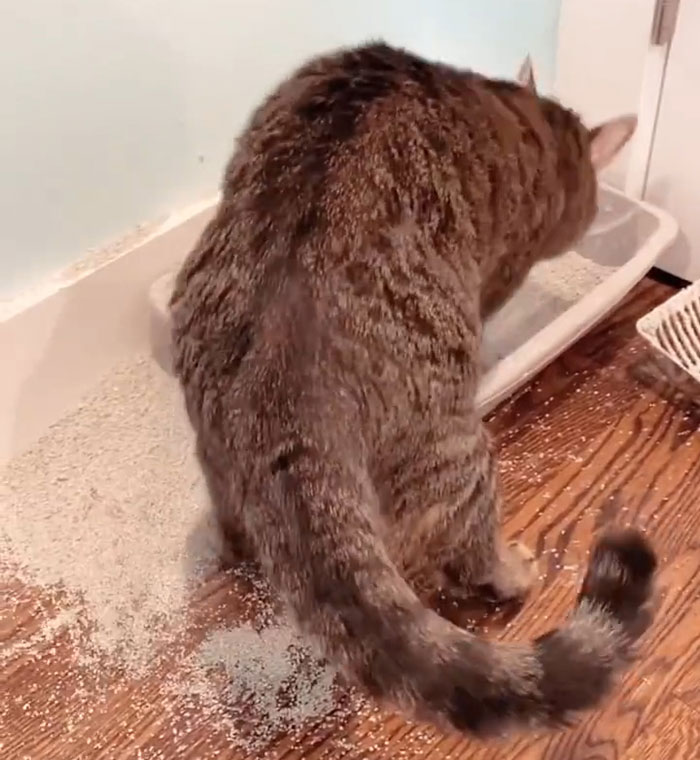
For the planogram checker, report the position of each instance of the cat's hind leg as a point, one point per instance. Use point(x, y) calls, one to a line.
point(235, 546)
point(482, 559)
point(447, 527)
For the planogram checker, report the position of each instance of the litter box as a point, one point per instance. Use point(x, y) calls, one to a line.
point(563, 298)
point(559, 302)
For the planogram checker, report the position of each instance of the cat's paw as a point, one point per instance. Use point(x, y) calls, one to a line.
point(514, 574)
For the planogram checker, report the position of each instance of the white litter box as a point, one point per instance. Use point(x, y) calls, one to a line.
point(564, 298)
point(559, 302)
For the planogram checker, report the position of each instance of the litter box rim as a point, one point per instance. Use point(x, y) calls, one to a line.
point(516, 369)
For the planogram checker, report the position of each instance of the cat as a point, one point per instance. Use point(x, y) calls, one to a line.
point(326, 334)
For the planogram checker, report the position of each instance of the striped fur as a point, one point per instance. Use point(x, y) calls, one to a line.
point(326, 335)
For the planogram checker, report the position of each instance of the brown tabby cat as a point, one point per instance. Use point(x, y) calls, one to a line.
point(326, 333)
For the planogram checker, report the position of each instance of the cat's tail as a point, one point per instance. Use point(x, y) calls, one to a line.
point(483, 687)
point(345, 590)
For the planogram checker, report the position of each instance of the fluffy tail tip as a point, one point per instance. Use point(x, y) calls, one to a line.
point(620, 578)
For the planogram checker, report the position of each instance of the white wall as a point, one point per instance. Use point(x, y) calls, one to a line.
point(674, 170)
point(602, 50)
point(114, 112)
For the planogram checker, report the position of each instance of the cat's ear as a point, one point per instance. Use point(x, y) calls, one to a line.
point(526, 75)
point(608, 139)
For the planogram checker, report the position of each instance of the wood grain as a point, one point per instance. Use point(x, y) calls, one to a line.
point(674, 734)
point(585, 445)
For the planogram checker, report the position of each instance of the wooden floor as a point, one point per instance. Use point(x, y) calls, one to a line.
point(585, 445)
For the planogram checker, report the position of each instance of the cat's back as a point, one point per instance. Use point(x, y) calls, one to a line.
point(347, 144)
point(319, 172)
point(337, 175)
point(338, 155)
point(336, 141)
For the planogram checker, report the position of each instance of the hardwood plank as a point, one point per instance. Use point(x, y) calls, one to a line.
point(673, 734)
point(583, 446)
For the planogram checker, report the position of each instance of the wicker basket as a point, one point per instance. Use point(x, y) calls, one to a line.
point(672, 330)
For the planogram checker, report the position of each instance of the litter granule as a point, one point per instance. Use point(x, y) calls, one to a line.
point(64, 619)
point(277, 687)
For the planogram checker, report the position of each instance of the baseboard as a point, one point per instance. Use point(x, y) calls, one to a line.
point(58, 341)
point(667, 278)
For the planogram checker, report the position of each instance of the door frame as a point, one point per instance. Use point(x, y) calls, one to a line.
point(611, 58)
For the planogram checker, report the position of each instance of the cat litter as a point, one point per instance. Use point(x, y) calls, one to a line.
point(106, 508)
point(108, 516)
point(260, 683)
point(559, 302)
